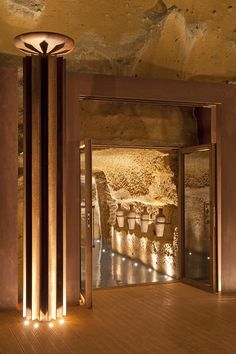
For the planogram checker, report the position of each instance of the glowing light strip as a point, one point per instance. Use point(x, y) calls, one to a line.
point(52, 189)
point(36, 188)
point(24, 264)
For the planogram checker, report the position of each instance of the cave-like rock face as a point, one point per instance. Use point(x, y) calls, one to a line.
point(171, 39)
point(145, 176)
point(139, 177)
point(137, 124)
point(31, 9)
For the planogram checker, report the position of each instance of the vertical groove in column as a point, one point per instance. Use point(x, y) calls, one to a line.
point(60, 241)
point(63, 166)
point(27, 234)
point(52, 187)
point(36, 185)
point(44, 189)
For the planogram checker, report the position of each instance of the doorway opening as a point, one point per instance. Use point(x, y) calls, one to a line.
point(147, 212)
point(133, 202)
point(133, 243)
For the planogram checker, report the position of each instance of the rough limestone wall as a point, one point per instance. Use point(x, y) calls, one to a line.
point(142, 178)
point(171, 39)
point(106, 204)
point(140, 175)
point(159, 253)
point(137, 124)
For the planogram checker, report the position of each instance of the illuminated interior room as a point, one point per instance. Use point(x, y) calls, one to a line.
point(127, 249)
point(117, 187)
point(136, 196)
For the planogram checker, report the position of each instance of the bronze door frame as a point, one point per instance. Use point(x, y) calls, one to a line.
point(219, 98)
point(180, 152)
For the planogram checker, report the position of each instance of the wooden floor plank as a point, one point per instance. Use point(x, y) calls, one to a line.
point(165, 318)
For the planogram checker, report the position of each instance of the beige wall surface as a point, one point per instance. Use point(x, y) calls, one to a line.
point(8, 188)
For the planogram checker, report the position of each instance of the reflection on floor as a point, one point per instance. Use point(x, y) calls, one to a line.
point(111, 269)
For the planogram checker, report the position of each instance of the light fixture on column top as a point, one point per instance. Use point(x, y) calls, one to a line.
point(44, 43)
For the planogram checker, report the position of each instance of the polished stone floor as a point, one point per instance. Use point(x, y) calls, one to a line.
point(111, 269)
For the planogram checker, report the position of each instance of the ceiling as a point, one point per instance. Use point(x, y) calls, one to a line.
point(181, 39)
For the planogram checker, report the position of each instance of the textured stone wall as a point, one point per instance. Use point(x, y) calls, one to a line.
point(171, 39)
point(142, 178)
point(137, 124)
point(141, 175)
point(160, 254)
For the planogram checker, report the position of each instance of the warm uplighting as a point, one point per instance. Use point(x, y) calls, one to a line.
point(36, 325)
point(26, 322)
point(149, 270)
point(61, 321)
point(190, 253)
point(135, 264)
point(50, 325)
point(169, 263)
point(123, 259)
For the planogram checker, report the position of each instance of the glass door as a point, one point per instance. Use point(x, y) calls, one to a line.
point(85, 222)
point(198, 216)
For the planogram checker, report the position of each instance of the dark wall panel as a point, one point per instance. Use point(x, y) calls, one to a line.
point(8, 189)
point(203, 116)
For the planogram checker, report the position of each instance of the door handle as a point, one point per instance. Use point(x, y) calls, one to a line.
point(89, 225)
point(88, 220)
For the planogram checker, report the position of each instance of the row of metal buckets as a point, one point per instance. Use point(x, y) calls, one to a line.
point(145, 220)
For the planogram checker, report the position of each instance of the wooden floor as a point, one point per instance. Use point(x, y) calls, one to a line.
point(168, 318)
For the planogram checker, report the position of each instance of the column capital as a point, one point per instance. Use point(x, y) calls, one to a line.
point(44, 43)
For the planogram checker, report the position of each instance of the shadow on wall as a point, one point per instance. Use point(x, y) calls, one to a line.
point(147, 70)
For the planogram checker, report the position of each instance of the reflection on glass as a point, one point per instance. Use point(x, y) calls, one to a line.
point(111, 269)
point(197, 216)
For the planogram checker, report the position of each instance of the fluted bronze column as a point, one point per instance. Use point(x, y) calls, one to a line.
point(44, 287)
